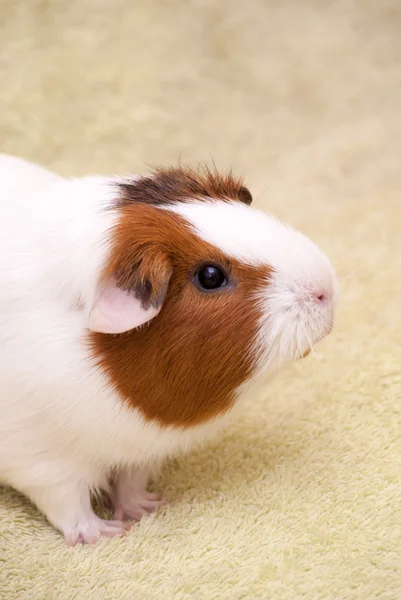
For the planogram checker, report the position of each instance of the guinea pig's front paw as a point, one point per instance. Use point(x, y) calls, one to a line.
point(135, 506)
point(130, 499)
point(89, 531)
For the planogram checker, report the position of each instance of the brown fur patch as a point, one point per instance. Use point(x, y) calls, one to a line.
point(184, 367)
point(168, 186)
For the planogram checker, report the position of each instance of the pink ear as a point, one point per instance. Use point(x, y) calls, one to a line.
point(116, 311)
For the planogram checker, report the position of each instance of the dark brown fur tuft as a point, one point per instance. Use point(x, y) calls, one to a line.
point(179, 184)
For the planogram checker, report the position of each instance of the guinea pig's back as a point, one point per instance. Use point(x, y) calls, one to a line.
point(48, 225)
point(21, 183)
point(18, 176)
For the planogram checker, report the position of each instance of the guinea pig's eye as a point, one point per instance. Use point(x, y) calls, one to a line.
point(210, 277)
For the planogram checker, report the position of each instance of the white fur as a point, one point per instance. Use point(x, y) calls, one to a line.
point(62, 427)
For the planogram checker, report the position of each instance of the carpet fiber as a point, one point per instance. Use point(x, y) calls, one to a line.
point(301, 497)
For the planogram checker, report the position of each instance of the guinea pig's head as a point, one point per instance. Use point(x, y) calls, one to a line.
point(201, 293)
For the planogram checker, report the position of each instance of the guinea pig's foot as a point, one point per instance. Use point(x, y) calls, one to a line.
point(91, 530)
point(130, 499)
point(136, 506)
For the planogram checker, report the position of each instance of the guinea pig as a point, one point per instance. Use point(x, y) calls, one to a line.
point(134, 312)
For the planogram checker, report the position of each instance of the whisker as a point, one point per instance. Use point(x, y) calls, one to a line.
point(338, 260)
point(311, 346)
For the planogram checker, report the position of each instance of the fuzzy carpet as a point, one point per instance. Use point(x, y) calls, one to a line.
point(301, 497)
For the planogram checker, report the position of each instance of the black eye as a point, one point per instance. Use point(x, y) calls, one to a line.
point(210, 277)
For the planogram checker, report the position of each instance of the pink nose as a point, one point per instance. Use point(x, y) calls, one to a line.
point(322, 295)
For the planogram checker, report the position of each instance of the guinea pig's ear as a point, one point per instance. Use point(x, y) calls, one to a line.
point(132, 296)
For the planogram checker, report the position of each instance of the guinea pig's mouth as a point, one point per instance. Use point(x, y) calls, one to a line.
point(327, 330)
point(318, 339)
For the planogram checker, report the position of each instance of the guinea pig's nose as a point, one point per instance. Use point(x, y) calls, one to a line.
point(322, 295)
point(318, 293)
point(324, 300)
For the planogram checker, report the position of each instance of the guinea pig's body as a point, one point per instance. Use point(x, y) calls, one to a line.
point(132, 313)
